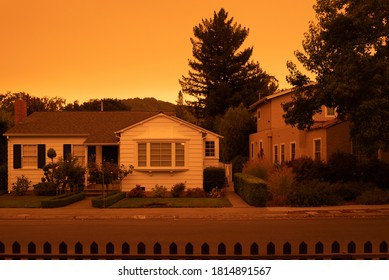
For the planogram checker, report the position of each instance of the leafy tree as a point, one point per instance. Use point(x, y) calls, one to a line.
point(235, 126)
point(34, 104)
point(222, 75)
point(348, 51)
point(108, 104)
point(5, 124)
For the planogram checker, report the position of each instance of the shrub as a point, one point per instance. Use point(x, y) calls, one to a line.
point(214, 177)
point(159, 191)
point(341, 167)
point(138, 191)
point(238, 163)
point(195, 192)
point(218, 193)
point(374, 196)
point(306, 168)
point(21, 186)
point(312, 193)
point(349, 191)
point(45, 188)
point(178, 189)
point(107, 200)
point(63, 200)
point(376, 172)
point(3, 177)
point(259, 168)
point(281, 182)
point(251, 189)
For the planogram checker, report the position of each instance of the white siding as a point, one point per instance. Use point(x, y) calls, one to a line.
point(164, 129)
point(35, 174)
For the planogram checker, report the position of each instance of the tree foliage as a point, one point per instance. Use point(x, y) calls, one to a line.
point(235, 126)
point(222, 75)
point(348, 51)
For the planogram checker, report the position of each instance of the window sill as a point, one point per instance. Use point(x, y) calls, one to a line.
point(162, 170)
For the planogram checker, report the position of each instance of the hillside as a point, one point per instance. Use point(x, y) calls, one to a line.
point(148, 104)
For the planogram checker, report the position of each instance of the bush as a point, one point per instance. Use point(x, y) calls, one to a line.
point(178, 189)
point(281, 182)
point(138, 191)
point(341, 167)
point(218, 193)
point(238, 163)
point(3, 177)
point(45, 188)
point(376, 172)
point(312, 193)
point(259, 168)
point(251, 189)
point(107, 200)
point(21, 186)
point(214, 177)
point(374, 196)
point(63, 200)
point(159, 191)
point(349, 191)
point(195, 192)
point(306, 168)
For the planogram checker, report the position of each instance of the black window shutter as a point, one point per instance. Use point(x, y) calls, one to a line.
point(41, 155)
point(17, 156)
point(67, 150)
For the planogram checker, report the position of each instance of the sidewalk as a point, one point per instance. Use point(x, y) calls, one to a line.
point(83, 210)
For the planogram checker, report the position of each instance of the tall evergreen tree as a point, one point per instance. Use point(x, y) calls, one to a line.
point(348, 50)
point(222, 75)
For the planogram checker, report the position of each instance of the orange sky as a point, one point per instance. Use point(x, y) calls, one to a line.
point(84, 49)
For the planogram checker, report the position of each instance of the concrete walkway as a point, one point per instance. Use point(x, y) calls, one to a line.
point(83, 210)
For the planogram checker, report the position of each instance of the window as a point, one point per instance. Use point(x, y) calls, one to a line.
point(161, 154)
point(317, 149)
point(259, 114)
point(29, 156)
point(330, 112)
point(282, 153)
point(209, 148)
point(252, 150)
point(292, 151)
point(275, 154)
point(180, 154)
point(79, 153)
point(261, 151)
point(142, 154)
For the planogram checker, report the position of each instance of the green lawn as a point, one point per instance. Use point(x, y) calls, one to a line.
point(204, 202)
point(24, 201)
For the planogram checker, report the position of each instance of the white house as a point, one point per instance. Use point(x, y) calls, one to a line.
point(163, 149)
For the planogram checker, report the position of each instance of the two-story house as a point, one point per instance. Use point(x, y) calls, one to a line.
point(279, 142)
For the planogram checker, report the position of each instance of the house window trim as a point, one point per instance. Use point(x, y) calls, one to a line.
point(19, 156)
point(314, 149)
point(282, 153)
point(23, 156)
point(275, 155)
point(214, 149)
point(172, 168)
point(292, 157)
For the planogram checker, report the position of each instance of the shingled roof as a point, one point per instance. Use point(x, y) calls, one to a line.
point(98, 127)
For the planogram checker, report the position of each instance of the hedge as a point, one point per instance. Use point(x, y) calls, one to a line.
point(46, 188)
point(63, 200)
point(214, 177)
point(251, 189)
point(107, 200)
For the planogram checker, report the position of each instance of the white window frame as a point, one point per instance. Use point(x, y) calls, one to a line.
point(314, 149)
point(178, 156)
point(292, 157)
point(209, 152)
point(275, 153)
point(282, 153)
point(33, 159)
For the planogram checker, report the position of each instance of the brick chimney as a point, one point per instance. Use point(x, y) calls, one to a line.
point(20, 111)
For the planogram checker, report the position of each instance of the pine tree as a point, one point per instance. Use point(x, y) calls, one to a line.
point(222, 75)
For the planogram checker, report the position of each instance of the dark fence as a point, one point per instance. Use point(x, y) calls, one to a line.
point(127, 251)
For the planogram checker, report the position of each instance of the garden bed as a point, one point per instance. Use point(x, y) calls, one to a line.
point(63, 200)
point(183, 202)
